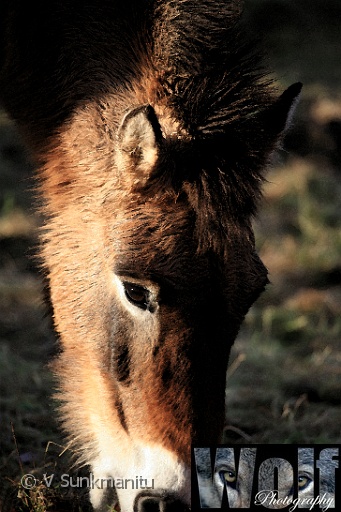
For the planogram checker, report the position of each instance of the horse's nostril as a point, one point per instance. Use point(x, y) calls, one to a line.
point(149, 505)
point(155, 503)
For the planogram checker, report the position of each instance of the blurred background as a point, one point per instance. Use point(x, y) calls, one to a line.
point(284, 379)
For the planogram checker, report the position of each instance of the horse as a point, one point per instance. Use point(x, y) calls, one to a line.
point(150, 123)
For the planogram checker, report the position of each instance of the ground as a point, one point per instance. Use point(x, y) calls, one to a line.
point(284, 378)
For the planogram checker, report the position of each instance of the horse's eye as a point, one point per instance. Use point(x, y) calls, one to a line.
point(137, 295)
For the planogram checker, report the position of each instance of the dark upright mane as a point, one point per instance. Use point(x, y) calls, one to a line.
point(212, 74)
point(214, 85)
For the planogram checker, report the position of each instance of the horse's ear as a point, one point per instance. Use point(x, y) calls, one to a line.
point(278, 117)
point(139, 140)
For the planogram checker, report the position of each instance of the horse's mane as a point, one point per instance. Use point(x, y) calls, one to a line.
point(217, 88)
point(213, 75)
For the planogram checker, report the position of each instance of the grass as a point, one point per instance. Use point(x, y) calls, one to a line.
point(284, 379)
point(288, 353)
